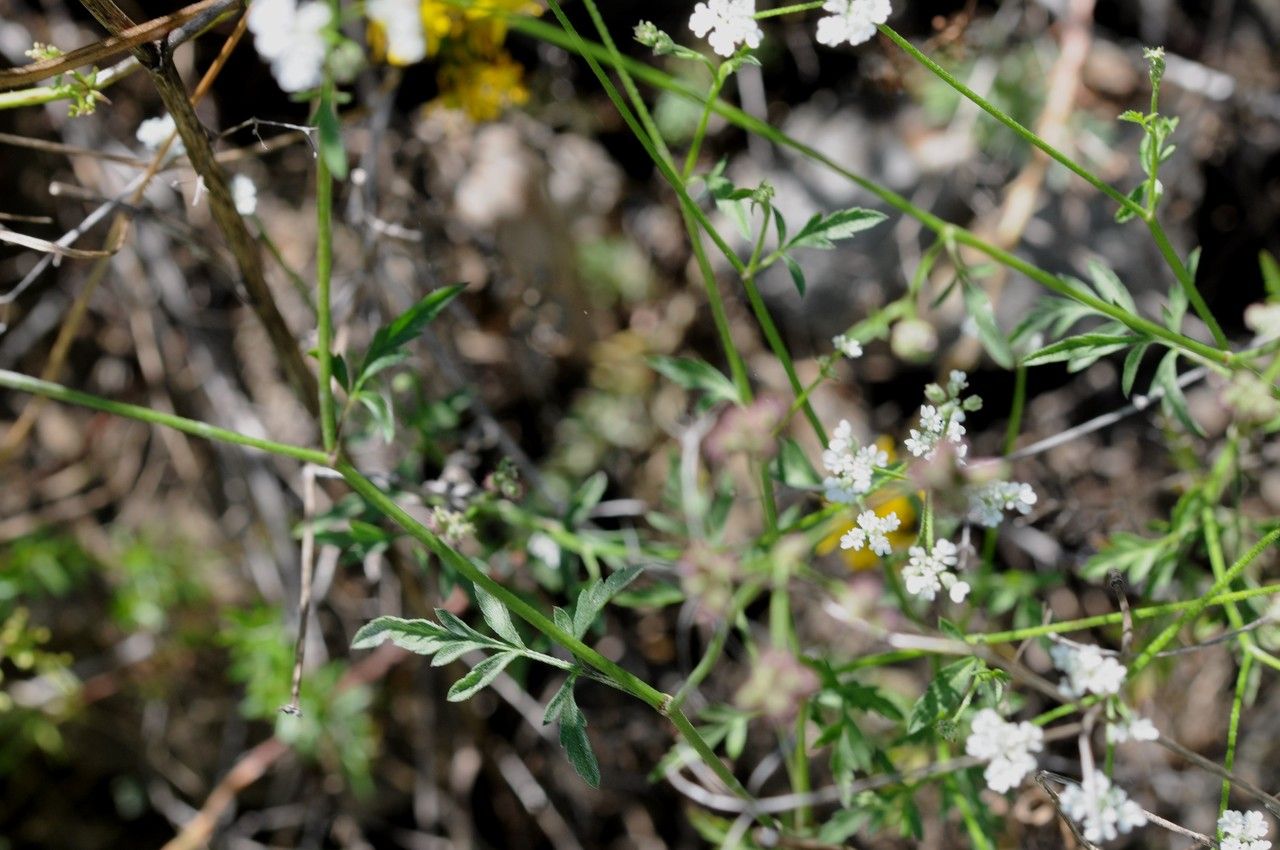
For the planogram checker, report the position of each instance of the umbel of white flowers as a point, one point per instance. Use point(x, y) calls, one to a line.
point(1243, 831)
point(1103, 810)
point(1088, 671)
point(849, 466)
point(928, 572)
point(728, 23)
point(292, 39)
point(1006, 747)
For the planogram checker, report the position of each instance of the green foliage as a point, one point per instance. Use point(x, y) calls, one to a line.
point(333, 727)
point(697, 376)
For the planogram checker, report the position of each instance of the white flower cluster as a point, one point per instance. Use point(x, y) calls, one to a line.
point(730, 22)
point(1087, 671)
point(733, 22)
point(989, 501)
point(871, 531)
point(847, 345)
point(1243, 831)
point(1132, 729)
point(401, 22)
point(1008, 748)
point(942, 421)
point(244, 194)
point(293, 39)
point(1102, 810)
point(852, 21)
point(849, 467)
point(153, 132)
point(926, 573)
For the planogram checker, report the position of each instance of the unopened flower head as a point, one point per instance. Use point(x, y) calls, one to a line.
point(1243, 831)
point(400, 23)
point(852, 21)
point(1088, 671)
point(942, 419)
point(1103, 810)
point(293, 39)
point(1132, 728)
point(729, 22)
point(244, 194)
point(989, 501)
point(871, 531)
point(778, 684)
point(849, 466)
point(928, 572)
point(847, 345)
point(1007, 747)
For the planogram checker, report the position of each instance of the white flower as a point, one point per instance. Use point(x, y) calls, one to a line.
point(153, 132)
point(988, 502)
point(850, 468)
point(292, 39)
point(544, 549)
point(853, 21)
point(928, 572)
point(1087, 671)
point(730, 22)
point(1132, 729)
point(1243, 831)
point(244, 194)
point(401, 21)
point(1102, 810)
point(1008, 748)
point(942, 421)
point(871, 531)
point(847, 346)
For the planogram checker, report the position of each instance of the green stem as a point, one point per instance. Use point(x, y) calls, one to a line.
point(626, 681)
point(57, 392)
point(324, 279)
point(767, 131)
point(1015, 410)
point(691, 158)
point(1147, 215)
point(1185, 280)
point(1224, 581)
point(650, 139)
point(1022, 132)
point(1150, 612)
point(744, 597)
point(1233, 729)
point(787, 10)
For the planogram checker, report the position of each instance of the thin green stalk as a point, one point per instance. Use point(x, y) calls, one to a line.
point(1171, 631)
point(1150, 612)
point(651, 140)
point(740, 600)
point(787, 10)
point(1186, 281)
point(1233, 730)
point(798, 767)
point(767, 131)
point(57, 392)
point(695, 145)
point(1015, 410)
point(1030, 137)
point(737, 366)
point(1022, 132)
point(324, 279)
point(619, 676)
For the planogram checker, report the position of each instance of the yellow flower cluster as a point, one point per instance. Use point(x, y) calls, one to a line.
point(465, 38)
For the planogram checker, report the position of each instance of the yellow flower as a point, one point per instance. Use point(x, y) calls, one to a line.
point(482, 88)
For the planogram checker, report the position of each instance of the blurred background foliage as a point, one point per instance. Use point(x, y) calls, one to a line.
point(148, 582)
